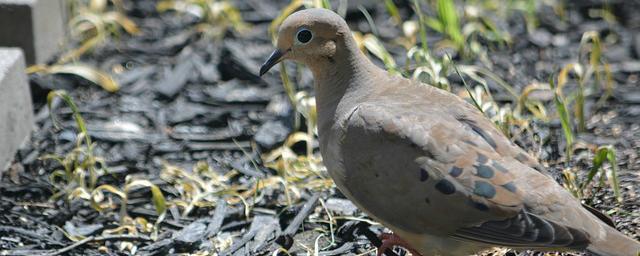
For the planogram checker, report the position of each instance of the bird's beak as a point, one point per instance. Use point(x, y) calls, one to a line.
point(276, 57)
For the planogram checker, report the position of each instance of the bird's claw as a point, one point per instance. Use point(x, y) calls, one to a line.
point(389, 240)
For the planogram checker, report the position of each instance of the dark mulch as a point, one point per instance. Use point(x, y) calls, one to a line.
point(186, 98)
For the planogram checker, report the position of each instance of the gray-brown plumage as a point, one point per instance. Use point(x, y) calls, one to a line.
point(427, 164)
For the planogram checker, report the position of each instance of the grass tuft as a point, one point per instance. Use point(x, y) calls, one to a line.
point(95, 22)
point(580, 188)
point(216, 16)
point(79, 170)
point(87, 72)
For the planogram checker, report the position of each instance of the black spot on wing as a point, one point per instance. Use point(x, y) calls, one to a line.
point(479, 131)
point(445, 187)
point(484, 189)
point(470, 142)
point(484, 171)
point(522, 157)
point(424, 175)
point(482, 158)
point(455, 171)
point(478, 205)
point(499, 167)
point(510, 186)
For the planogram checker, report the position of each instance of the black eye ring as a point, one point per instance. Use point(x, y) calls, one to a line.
point(304, 36)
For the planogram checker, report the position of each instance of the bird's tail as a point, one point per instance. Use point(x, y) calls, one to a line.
point(615, 244)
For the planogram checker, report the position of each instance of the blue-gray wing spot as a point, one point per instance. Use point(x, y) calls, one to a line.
point(455, 171)
point(484, 189)
point(478, 205)
point(445, 187)
point(521, 157)
point(510, 186)
point(499, 167)
point(482, 158)
point(484, 171)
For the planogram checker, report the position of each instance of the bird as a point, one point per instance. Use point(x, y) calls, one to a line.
point(427, 164)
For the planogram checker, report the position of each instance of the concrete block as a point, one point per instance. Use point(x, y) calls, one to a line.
point(36, 26)
point(16, 110)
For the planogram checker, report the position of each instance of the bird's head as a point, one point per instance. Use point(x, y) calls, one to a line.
point(311, 36)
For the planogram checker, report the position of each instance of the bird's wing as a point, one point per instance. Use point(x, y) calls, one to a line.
point(466, 170)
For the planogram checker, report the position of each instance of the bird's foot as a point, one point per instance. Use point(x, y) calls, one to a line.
point(390, 240)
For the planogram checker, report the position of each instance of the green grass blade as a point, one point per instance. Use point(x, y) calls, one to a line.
point(604, 154)
point(158, 200)
point(597, 162)
point(156, 194)
point(613, 174)
point(287, 84)
point(449, 17)
point(367, 15)
point(393, 11)
point(561, 109)
point(322, 4)
point(423, 29)
point(375, 46)
point(74, 109)
point(579, 108)
point(466, 86)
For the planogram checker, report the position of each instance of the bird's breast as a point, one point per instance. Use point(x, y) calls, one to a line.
point(329, 139)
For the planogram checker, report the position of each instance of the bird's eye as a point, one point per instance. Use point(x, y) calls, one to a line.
point(304, 36)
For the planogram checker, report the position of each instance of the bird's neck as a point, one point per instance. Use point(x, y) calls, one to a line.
point(342, 82)
point(348, 71)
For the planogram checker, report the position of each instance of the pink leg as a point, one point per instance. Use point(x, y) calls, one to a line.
point(390, 240)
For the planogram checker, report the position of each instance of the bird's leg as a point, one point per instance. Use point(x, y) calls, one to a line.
point(389, 240)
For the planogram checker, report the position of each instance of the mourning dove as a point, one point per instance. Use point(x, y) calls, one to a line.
point(427, 164)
